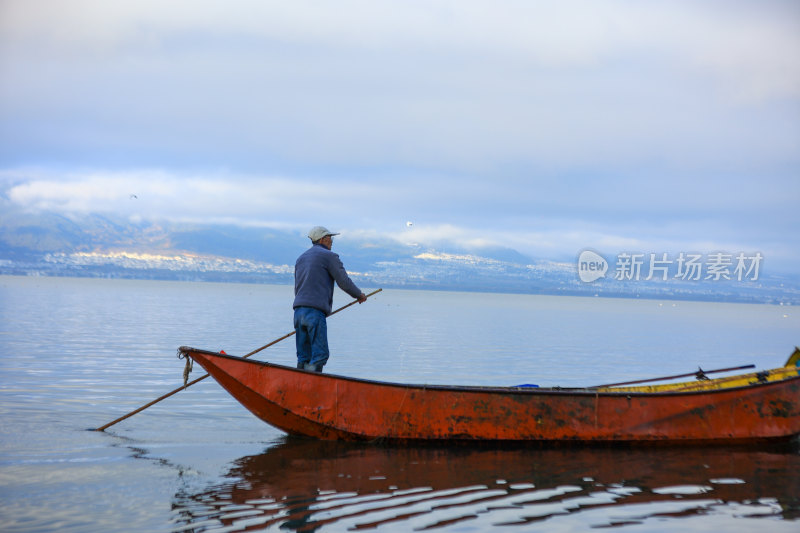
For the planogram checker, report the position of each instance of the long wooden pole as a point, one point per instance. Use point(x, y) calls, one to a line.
point(201, 378)
point(699, 372)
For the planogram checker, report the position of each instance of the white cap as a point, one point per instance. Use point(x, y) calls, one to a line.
point(318, 232)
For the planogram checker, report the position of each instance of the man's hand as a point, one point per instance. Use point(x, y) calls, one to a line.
point(362, 298)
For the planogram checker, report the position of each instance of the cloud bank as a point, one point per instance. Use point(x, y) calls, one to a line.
point(547, 126)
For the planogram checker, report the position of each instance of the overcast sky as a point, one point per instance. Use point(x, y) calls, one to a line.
point(546, 126)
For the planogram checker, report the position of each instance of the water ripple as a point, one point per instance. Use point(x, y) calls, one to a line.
point(302, 485)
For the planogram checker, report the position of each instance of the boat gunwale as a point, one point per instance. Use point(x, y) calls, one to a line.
point(513, 390)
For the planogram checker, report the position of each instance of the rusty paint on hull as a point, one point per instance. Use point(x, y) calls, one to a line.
point(331, 407)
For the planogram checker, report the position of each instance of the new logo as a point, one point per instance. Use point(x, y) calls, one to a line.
point(591, 266)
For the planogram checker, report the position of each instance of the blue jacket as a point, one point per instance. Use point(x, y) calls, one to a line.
point(314, 273)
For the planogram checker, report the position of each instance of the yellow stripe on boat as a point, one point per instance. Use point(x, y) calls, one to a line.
point(790, 369)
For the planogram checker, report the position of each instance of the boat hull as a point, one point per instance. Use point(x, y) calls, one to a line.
point(331, 407)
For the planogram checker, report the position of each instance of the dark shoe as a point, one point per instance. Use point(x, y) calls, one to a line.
point(313, 368)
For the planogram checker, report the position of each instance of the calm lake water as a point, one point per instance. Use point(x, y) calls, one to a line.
point(78, 353)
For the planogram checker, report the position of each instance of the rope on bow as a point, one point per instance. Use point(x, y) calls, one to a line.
point(187, 368)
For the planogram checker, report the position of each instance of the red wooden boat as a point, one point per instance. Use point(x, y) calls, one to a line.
point(754, 407)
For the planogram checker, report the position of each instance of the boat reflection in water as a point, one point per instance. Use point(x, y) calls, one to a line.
point(308, 485)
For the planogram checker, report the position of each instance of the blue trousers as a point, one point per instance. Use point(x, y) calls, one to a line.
point(311, 336)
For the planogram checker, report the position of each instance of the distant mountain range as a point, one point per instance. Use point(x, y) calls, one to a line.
point(51, 244)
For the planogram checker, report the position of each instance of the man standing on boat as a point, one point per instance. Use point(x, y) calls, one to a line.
point(314, 273)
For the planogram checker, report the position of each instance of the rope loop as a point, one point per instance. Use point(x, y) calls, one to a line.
point(187, 369)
